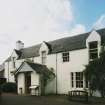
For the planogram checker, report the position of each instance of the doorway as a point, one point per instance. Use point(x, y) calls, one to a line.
point(27, 82)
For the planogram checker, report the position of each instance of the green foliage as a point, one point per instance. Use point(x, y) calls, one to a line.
point(95, 74)
point(2, 80)
point(9, 87)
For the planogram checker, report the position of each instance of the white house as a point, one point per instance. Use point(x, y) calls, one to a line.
point(53, 67)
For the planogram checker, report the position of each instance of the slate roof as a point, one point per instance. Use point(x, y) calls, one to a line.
point(41, 69)
point(61, 45)
point(30, 51)
point(18, 53)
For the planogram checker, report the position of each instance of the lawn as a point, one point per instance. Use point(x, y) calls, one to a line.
point(10, 99)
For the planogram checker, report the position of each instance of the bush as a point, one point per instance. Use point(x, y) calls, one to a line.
point(9, 87)
point(0, 90)
point(2, 81)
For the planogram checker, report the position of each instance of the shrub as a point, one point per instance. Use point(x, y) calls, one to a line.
point(2, 81)
point(0, 90)
point(9, 87)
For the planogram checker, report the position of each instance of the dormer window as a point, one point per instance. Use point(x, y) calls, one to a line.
point(44, 57)
point(93, 50)
point(65, 56)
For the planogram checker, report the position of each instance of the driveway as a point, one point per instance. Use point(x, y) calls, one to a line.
point(9, 99)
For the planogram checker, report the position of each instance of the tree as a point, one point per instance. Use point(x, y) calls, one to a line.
point(95, 74)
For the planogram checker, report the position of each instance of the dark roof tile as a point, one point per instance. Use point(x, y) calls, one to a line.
point(30, 51)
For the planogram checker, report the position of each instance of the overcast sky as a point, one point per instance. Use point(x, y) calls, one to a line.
point(34, 21)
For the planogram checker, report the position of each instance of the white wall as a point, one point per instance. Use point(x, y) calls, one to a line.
point(37, 60)
point(51, 63)
point(11, 76)
point(6, 72)
point(35, 78)
point(9, 67)
point(21, 83)
point(78, 59)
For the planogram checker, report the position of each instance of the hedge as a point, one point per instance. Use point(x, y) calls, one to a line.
point(9, 87)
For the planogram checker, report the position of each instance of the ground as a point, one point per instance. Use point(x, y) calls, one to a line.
point(8, 99)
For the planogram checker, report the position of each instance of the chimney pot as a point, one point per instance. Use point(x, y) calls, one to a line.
point(19, 45)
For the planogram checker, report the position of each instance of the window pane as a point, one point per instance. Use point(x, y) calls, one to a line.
point(65, 57)
point(79, 79)
point(93, 50)
point(43, 57)
point(93, 45)
point(72, 80)
point(93, 55)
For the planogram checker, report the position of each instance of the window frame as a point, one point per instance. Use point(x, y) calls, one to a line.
point(44, 57)
point(93, 50)
point(72, 79)
point(65, 57)
point(79, 79)
point(76, 80)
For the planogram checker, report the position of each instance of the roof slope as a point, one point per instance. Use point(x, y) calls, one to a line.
point(41, 69)
point(61, 45)
point(30, 51)
point(69, 43)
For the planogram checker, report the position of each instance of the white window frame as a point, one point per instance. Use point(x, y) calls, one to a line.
point(77, 82)
point(79, 79)
point(93, 50)
point(44, 57)
point(65, 56)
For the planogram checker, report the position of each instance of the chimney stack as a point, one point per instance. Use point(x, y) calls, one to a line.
point(19, 45)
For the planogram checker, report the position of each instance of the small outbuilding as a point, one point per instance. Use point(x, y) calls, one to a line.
point(32, 78)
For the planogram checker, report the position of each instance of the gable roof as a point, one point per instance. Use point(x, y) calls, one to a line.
point(41, 69)
point(60, 45)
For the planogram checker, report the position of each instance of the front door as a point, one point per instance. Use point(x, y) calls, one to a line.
point(27, 82)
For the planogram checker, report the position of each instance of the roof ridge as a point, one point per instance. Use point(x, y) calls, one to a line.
point(48, 42)
point(70, 37)
point(31, 46)
point(34, 63)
